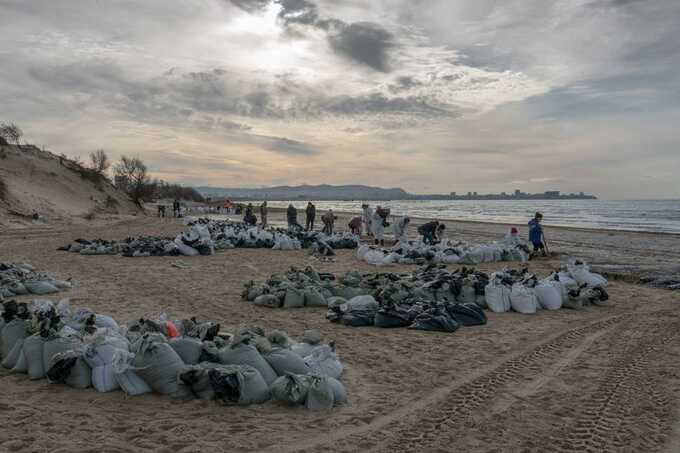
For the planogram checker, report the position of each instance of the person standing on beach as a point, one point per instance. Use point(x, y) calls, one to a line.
point(328, 220)
point(366, 218)
point(400, 229)
point(310, 215)
point(263, 213)
point(536, 234)
point(175, 208)
point(291, 216)
point(378, 224)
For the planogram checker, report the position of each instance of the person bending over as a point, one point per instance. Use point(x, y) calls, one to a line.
point(536, 234)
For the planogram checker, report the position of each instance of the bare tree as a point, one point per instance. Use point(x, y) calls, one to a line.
point(11, 132)
point(134, 175)
point(99, 162)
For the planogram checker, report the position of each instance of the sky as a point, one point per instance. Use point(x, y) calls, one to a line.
point(433, 96)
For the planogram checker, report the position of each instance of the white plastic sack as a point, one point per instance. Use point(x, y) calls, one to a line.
point(324, 361)
point(497, 297)
point(581, 273)
point(549, 294)
point(33, 350)
point(523, 299)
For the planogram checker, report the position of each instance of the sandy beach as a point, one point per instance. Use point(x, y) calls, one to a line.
point(602, 379)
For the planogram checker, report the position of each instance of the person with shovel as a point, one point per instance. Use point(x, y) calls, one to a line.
point(536, 235)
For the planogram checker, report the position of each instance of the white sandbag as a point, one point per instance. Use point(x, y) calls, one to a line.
point(362, 303)
point(467, 293)
point(125, 375)
point(78, 375)
point(56, 346)
point(324, 361)
point(320, 396)
point(184, 249)
point(188, 348)
point(11, 359)
point(106, 322)
point(295, 298)
point(41, 287)
point(158, 364)
point(247, 354)
point(33, 350)
point(104, 379)
point(286, 361)
point(339, 392)
point(314, 298)
point(523, 299)
point(12, 332)
point(267, 300)
point(21, 366)
point(497, 297)
point(581, 273)
point(549, 294)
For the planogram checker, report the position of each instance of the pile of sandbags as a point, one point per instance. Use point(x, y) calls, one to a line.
point(573, 286)
point(183, 359)
point(18, 279)
point(296, 289)
point(416, 252)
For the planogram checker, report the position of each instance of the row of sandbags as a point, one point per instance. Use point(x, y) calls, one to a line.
point(18, 279)
point(574, 286)
point(417, 252)
point(309, 288)
point(226, 234)
point(183, 359)
point(415, 314)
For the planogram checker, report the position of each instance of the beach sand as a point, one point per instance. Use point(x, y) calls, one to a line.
point(601, 379)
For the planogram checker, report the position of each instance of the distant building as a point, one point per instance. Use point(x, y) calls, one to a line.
point(474, 193)
point(453, 194)
point(469, 194)
point(552, 193)
point(503, 194)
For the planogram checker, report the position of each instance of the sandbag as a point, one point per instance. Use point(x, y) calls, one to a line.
point(106, 322)
point(581, 273)
point(295, 298)
point(71, 369)
point(12, 332)
point(158, 364)
point(21, 366)
point(238, 384)
point(188, 348)
point(320, 395)
point(58, 345)
point(290, 389)
point(314, 298)
point(315, 392)
point(125, 375)
point(268, 300)
point(33, 350)
point(467, 314)
point(247, 354)
point(41, 287)
point(99, 356)
point(435, 320)
point(497, 297)
point(11, 359)
point(324, 362)
point(286, 361)
point(549, 294)
point(467, 294)
point(523, 299)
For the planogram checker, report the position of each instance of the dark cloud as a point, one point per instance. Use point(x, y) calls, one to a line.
point(364, 42)
point(405, 83)
point(251, 6)
point(378, 103)
point(284, 145)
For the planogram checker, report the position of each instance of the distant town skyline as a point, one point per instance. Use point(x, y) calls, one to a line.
point(429, 95)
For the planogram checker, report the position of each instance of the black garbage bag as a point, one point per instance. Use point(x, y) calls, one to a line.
point(393, 315)
point(467, 314)
point(436, 320)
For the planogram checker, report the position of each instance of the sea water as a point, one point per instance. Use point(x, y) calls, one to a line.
point(633, 215)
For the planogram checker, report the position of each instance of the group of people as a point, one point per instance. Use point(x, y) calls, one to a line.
point(176, 209)
point(373, 222)
point(328, 219)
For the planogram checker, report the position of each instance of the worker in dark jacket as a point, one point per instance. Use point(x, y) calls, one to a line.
point(310, 214)
point(430, 231)
point(291, 215)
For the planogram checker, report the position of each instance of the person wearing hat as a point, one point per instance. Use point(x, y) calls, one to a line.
point(536, 236)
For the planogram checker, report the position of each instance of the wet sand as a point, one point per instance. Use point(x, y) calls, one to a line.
point(601, 379)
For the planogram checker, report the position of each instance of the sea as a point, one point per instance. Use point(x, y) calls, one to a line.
point(659, 216)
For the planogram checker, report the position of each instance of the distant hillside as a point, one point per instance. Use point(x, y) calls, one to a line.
point(305, 192)
point(39, 182)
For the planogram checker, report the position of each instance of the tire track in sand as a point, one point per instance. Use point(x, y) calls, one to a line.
point(452, 404)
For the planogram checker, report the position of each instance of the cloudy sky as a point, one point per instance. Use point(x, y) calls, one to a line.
point(429, 95)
